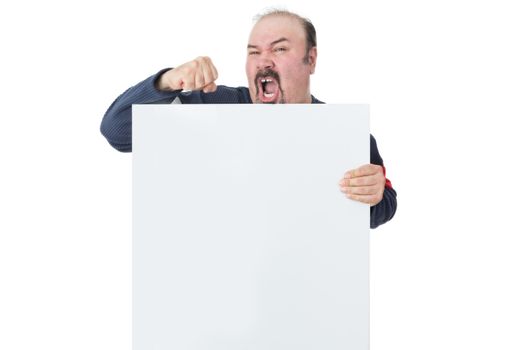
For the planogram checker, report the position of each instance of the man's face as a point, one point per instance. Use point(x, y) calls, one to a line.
point(275, 64)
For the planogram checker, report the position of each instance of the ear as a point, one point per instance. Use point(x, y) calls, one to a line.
point(312, 59)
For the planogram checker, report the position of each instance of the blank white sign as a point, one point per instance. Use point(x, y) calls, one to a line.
point(241, 237)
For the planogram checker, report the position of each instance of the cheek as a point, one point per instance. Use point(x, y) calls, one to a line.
point(250, 74)
point(291, 76)
point(293, 67)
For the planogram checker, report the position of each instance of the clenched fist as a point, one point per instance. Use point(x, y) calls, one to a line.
point(199, 74)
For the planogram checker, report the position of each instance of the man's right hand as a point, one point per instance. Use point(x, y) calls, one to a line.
point(199, 74)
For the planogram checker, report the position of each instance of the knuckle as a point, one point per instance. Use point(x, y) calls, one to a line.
point(193, 64)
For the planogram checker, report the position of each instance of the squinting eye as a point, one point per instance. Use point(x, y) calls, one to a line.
point(251, 53)
point(280, 49)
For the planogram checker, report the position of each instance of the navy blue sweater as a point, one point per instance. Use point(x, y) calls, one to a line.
point(116, 126)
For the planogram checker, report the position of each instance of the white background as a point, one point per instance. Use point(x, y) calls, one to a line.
point(446, 84)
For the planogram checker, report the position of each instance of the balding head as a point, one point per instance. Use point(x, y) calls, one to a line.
point(309, 29)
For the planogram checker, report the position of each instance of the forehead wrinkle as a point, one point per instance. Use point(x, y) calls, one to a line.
point(275, 42)
point(280, 40)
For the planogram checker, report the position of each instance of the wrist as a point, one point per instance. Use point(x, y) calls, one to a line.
point(161, 83)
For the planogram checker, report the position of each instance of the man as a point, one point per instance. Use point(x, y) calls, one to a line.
point(282, 54)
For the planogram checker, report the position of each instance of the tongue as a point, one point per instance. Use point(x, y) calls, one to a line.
point(271, 87)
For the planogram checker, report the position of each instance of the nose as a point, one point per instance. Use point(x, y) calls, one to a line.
point(264, 62)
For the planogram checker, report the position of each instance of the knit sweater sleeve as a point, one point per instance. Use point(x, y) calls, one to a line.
point(116, 124)
point(383, 211)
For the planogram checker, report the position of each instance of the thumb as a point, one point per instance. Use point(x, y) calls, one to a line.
point(211, 87)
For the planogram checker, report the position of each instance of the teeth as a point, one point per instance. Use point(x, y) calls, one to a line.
point(268, 95)
point(267, 80)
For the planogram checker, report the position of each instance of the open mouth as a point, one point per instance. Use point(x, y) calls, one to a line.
point(268, 89)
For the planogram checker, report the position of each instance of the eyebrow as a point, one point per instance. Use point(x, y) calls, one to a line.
point(250, 46)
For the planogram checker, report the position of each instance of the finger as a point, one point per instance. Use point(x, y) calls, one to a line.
point(358, 172)
point(214, 71)
point(360, 181)
point(363, 190)
point(370, 180)
point(364, 170)
point(208, 74)
point(199, 79)
point(211, 87)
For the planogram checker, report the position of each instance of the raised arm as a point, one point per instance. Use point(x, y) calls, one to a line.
point(163, 87)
